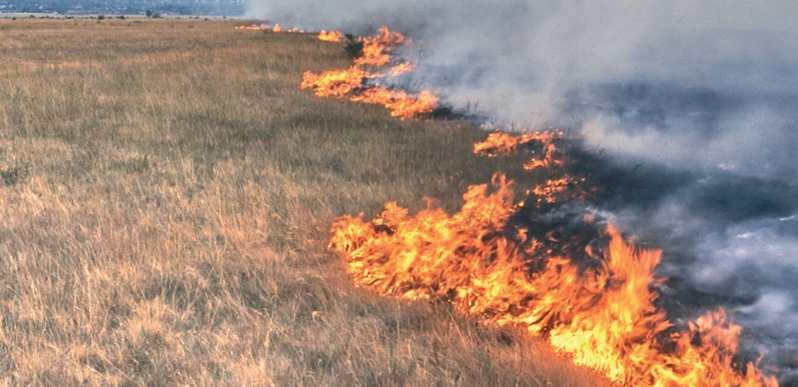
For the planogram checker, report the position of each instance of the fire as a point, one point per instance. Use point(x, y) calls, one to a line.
point(253, 27)
point(331, 36)
point(378, 49)
point(375, 62)
point(597, 306)
point(334, 83)
point(400, 103)
point(266, 27)
point(401, 69)
point(554, 189)
point(499, 143)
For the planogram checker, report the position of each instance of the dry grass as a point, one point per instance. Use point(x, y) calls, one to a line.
point(165, 196)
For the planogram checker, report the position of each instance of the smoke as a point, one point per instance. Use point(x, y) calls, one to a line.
point(742, 256)
point(703, 92)
point(714, 77)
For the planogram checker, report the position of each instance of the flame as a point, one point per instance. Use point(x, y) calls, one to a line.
point(331, 36)
point(253, 27)
point(334, 83)
point(500, 143)
point(398, 102)
point(265, 27)
point(598, 307)
point(378, 49)
point(401, 69)
point(600, 310)
point(554, 189)
point(375, 62)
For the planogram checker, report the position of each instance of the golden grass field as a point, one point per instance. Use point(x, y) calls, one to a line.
point(165, 198)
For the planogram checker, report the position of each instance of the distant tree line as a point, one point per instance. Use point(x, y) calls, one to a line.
point(149, 7)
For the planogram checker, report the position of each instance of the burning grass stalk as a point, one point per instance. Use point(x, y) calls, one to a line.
point(373, 63)
point(503, 272)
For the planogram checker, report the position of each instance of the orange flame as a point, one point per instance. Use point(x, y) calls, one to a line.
point(499, 143)
point(551, 191)
point(334, 83)
point(398, 102)
point(331, 36)
point(401, 69)
point(603, 316)
point(375, 62)
point(378, 49)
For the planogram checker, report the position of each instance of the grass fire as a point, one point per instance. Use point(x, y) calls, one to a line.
point(166, 194)
point(359, 81)
point(512, 193)
point(600, 311)
point(487, 266)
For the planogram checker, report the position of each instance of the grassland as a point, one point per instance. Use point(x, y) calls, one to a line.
point(165, 198)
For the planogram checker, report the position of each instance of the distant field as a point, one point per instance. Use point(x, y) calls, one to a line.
point(165, 198)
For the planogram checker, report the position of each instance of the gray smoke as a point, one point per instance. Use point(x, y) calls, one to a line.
point(705, 91)
point(710, 83)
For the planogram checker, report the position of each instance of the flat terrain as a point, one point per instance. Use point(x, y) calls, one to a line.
point(165, 198)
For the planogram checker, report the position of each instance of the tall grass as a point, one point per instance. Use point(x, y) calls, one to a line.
point(165, 197)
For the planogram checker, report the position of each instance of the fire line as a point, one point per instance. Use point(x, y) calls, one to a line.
point(593, 299)
point(358, 82)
